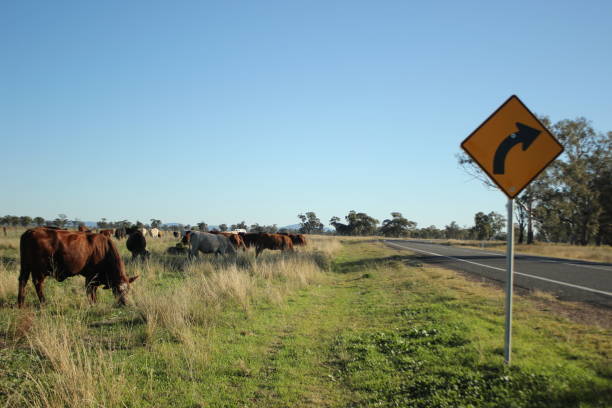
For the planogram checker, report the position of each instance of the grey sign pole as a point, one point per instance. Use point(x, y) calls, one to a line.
point(509, 281)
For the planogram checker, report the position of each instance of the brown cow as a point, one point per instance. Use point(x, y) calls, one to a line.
point(107, 232)
point(83, 228)
point(61, 254)
point(235, 239)
point(263, 241)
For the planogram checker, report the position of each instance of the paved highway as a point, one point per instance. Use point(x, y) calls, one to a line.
point(567, 279)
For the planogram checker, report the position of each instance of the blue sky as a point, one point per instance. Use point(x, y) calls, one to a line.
point(226, 111)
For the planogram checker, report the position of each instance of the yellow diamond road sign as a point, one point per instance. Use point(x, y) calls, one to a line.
point(512, 146)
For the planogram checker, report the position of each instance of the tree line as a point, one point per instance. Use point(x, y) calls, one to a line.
point(486, 226)
point(62, 221)
point(571, 200)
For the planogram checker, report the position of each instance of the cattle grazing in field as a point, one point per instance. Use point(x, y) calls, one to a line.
point(154, 232)
point(120, 233)
point(83, 228)
point(263, 241)
point(61, 254)
point(136, 243)
point(176, 234)
point(207, 243)
point(160, 234)
point(107, 232)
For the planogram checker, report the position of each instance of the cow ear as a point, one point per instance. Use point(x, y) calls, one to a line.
point(133, 278)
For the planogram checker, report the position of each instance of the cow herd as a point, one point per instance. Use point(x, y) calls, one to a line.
point(59, 253)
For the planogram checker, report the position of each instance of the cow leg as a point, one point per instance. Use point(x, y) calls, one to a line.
point(38, 285)
point(92, 293)
point(91, 290)
point(258, 251)
point(21, 293)
point(24, 276)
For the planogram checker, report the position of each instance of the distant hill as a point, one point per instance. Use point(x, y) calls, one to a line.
point(295, 227)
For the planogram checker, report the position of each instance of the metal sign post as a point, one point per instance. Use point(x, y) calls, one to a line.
point(509, 282)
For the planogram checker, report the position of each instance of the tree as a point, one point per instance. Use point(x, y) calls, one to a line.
point(268, 229)
point(202, 226)
point(223, 227)
point(61, 220)
point(242, 225)
point(603, 185)
point(310, 223)
point(155, 223)
point(256, 228)
point(25, 221)
point(361, 223)
point(123, 224)
point(486, 226)
point(430, 232)
point(357, 224)
point(341, 229)
point(453, 231)
point(39, 221)
point(569, 202)
point(102, 224)
point(397, 226)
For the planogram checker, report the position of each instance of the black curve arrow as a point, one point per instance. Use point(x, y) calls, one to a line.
point(525, 135)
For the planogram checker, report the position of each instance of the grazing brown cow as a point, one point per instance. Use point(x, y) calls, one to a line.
point(107, 232)
point(235, 239)
point(83, 228)
point(136, 243)
point(61, 254)
point(263, 241)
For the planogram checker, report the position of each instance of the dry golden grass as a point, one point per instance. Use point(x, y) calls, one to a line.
point(71, 372)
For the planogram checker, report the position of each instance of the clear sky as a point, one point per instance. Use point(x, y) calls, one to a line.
point(225, 111)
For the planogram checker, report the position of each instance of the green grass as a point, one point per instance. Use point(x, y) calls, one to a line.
point(374, 327)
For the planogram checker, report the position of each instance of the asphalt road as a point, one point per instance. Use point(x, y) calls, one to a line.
point(567, 279)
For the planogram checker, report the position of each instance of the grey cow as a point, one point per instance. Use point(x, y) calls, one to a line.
point(208, 243)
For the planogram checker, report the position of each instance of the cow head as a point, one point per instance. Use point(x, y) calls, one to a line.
point(186, 237)
point(122, 290)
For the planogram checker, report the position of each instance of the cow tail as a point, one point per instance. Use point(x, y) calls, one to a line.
point(24, 273)
point(26, 267)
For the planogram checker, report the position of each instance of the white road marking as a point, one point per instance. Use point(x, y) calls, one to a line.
point(504, 270)
point(539, 257)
